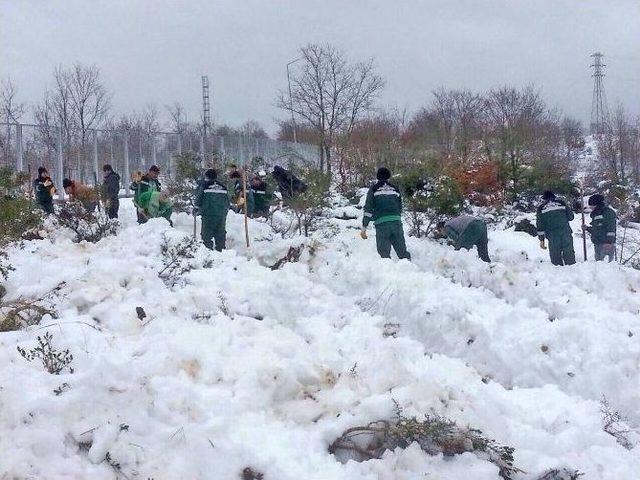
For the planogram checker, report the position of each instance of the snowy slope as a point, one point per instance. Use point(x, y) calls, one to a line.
point(245, 366)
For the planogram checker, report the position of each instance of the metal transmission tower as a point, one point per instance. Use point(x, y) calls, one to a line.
point(599, 108)
point(206, 108)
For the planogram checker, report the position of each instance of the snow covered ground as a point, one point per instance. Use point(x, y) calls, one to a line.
point(243, 366)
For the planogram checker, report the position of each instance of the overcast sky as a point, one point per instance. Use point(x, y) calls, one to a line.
point(155, 51)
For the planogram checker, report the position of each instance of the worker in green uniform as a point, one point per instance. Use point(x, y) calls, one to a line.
point(262, 195)
point(212, 203)
point(602, 228)
point(383, 206)
point(552, 222)
point(156, 204)
point(466, 232)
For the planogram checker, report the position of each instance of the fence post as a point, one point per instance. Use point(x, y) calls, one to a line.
point(202, 151)
point(111, 160)
point(60, 168)
point(96, 167)
point(20, 159)
point(141, 160)
point(127, 173)
point(179, 144)
point(152, 139)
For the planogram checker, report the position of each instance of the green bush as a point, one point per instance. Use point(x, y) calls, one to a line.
point(18, 215)
point(182, 187)
point(12, 182)
point(428, 199)
point(543, 176)
point(309, 206)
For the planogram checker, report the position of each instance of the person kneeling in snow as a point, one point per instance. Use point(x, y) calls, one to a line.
point(552, 221)
point(384, 207)
point(261, 195)
point(86, 196)
point(212, 202)
point(466, 232)
point(602, 228)
point(156, 204)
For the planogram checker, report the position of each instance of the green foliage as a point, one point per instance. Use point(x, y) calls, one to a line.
point(17, 216)
point(182, 187)
point(87, 225)
point(542, 176)
point(309, 206)
point(428, 199)
point(187, 166)
point(177, 259)
point(10, 181)
point(5, 268)
point(435, 436)
point(54, 361)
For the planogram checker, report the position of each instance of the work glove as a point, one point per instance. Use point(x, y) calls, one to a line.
point(363, 234)
point(542, 245)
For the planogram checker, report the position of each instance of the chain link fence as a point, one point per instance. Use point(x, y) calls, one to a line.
point(80, 155)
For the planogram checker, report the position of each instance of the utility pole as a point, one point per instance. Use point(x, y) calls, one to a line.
point(206, 110)
point(599, 108)
point(293, 119)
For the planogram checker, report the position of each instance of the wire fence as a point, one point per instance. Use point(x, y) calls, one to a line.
point(80, 154)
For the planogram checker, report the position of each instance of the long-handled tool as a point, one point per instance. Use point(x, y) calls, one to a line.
point(584, 233)
point(95, 182)
point(244, 196)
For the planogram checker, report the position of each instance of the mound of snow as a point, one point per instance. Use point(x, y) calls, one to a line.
point(244, 366)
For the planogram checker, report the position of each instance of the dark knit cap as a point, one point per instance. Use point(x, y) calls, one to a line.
point(595, 200)
point(107, 168)
point(210, 174)
point(154, 168)
point(383, 174)
point(66, 183)
point(42, 170)
point(548, 195)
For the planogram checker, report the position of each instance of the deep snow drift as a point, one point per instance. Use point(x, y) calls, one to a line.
point(244, 366)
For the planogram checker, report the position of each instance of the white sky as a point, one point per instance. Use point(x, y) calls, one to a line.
point(155, 51)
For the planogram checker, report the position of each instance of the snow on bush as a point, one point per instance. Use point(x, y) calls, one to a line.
point(242, 367)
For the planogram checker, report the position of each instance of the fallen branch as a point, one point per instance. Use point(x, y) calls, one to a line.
point(292, 256)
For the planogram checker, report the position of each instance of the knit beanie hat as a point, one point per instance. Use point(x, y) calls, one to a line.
point(596, 200)
point(548, 195)
point(383, 174)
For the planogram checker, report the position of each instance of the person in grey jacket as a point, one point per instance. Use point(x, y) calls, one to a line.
point(465, 232)
point(111, 191)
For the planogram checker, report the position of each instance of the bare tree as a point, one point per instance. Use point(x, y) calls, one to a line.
point(90, 100)
point(514, 119)
point(61, 104)
point(253, 129)
point(330, 94)
point(572, 136)
point(45, 117)
point(618, 146)
point(177, 118)
point(11, 111)
point(80, 102)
